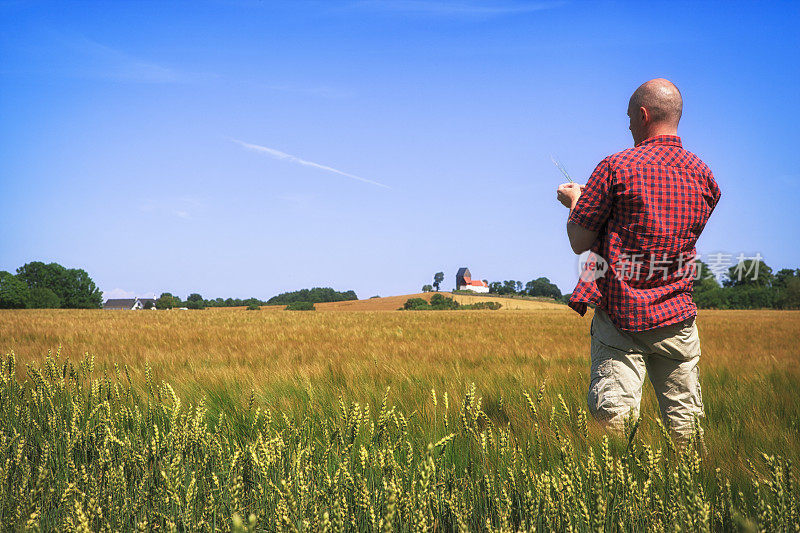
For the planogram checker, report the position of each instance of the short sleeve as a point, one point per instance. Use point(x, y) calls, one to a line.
point(593, 207)
point(714, 193)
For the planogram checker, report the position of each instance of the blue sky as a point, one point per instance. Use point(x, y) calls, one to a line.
point(149, 142)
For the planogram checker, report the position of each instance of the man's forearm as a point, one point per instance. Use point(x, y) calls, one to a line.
point(580, 239)
point(572, 207)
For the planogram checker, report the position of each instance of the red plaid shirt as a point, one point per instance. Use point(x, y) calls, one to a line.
point(649, 205)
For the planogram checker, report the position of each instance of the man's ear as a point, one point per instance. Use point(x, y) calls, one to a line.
point(644, 114)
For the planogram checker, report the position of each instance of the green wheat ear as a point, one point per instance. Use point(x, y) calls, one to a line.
point(84, 454)
point(561, 168)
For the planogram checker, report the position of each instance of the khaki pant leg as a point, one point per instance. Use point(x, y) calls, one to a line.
point(674, 373)
point(617, 374)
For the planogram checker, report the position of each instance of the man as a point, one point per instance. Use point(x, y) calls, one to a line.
point(642, 211)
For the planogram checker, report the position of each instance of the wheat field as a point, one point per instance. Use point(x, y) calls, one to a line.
point(502, 391)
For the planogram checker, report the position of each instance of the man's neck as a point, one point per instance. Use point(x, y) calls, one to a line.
point(661, 129)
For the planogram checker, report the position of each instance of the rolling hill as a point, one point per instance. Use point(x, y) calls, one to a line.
point(391, 303)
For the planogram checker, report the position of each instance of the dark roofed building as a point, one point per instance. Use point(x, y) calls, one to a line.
point(129, 304)
point(120, 303)
point(464, 282)
point(462, 273)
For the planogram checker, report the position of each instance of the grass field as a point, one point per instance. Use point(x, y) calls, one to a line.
point(315, 366)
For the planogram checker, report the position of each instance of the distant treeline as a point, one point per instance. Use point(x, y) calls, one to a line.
point(541, 287)
point(440, 302)
point(234, 302)
point(537, 287)
point(315, 295)
point(196, 301)
point(37, 285)
point(751, 285)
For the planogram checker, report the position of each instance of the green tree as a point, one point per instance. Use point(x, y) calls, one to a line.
point(315, 295)
point(438, 278)
point(74, 287)
point(789, 295)
point(43, 298)
point(783, 276)
point(439, 302)
point(706, 292)
point(712, 298)
point(195, 301)
point(80, 291)
point(416, 304)
point(701, 274)
point(509, 287)
point(39, 275)
point(427, 288)
point(750, 297)
point(13, 291)
point(705, 284)
point(543, 287)
point(167, 301)
point(253, 301)
point(750, 273)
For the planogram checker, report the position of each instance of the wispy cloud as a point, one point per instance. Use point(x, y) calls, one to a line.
point(118, 293)
point(293, 159)
point(79, 55)
point(75, 55)
point(122, 293)
point(465, 8)
point(119, 65)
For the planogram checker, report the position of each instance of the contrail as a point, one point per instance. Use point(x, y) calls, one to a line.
point(287, 157)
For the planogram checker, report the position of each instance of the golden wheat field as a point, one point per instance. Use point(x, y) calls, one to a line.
point(750, 363)
point(296, 363)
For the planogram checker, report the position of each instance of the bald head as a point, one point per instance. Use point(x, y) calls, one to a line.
point(661, 99)
point(655, 109)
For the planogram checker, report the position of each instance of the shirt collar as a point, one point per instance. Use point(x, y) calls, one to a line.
point(668, 140)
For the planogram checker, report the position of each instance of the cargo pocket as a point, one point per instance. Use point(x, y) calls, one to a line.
point(699, 392)
point(603, 394)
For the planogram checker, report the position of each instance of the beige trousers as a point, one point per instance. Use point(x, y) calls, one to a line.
point(620, 361)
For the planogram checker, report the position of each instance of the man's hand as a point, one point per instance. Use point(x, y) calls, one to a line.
point(580, 238)
point(568, 194)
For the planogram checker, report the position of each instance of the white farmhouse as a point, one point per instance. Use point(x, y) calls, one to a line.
point(129, 304)
point(464, 282)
